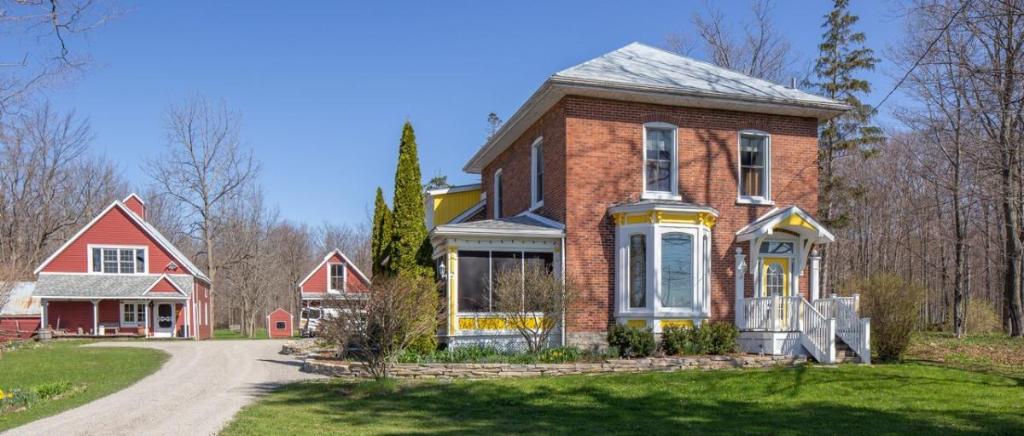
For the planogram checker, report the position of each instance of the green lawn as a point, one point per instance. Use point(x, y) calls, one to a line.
point(906, 398)
point(94, 372)
point(260, 333)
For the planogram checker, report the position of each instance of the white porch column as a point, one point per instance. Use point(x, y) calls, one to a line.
point(148, 321)
point(740, 270)
point(42, 315)
point(95, 317)
point(813, 280)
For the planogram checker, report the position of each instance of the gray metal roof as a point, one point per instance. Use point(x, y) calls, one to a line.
point(20, 301)
point(642, 65)
point(520, 225)
point(105, 285)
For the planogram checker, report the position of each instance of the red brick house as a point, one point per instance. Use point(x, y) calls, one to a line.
point(119, 276)
point(334, 276)
point(675, 192)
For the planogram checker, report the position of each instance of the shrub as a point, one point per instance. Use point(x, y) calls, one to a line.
point(631, 341)
point(532, 302)
point(17, 399)
point(893, 304)
point(723, 336)
point(709, 338)
point(982, 317)
point(53, 389)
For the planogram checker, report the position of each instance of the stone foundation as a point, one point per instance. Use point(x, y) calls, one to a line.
point(346, 369)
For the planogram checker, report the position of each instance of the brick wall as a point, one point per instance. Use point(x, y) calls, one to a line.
point(593, 154)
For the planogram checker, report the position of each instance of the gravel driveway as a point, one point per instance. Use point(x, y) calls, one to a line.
point(196, 392)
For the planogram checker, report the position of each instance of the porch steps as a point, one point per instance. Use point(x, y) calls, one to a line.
point(844, 353)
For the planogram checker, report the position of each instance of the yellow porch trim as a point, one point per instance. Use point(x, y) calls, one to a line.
point(489, 323)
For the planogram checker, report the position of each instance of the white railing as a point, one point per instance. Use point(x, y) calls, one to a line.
point(771, 314)
point(853, 330)
point(818, 333)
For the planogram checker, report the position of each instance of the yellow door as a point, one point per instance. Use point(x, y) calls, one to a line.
point(775, 283)
point(775, 276)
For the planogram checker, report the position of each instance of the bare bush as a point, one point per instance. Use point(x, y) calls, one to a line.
point(893, 304)
point(376, 326)
point(532, 301)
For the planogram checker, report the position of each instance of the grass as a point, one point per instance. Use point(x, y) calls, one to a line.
point(974, 385)
point(261, 333)
point(906, 398)
point(93, 371)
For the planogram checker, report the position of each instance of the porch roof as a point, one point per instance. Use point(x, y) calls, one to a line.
point(527, 225)
point(55, 285)
point(20, 301)
point(792, 219)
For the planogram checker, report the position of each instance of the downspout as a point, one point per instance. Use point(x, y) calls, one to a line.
point(563, 292)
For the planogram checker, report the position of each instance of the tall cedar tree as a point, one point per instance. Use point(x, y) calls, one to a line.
point(409, 251)
point(380, 240)
point(842, 55)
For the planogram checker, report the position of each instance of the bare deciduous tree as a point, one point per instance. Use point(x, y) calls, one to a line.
point(761, 52)
point(203, 167)
point(375, 327)
point(532, 301)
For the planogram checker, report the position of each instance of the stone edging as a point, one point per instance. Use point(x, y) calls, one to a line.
point(348, 369)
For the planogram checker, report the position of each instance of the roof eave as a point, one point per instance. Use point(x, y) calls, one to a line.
point(556, 87)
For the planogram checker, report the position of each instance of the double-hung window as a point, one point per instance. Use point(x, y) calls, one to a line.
point(118, 260)
point(133, 314)
point(661, 163)
point(337, 277)
point(754, 167)
point(537, 174)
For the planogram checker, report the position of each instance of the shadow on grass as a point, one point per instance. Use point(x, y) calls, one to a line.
point(790, 401)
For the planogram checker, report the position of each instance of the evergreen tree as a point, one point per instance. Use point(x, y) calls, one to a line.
point(843, 55)
point(380, 240)
point(409, 250)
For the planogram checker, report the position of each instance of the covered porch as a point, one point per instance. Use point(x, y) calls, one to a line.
point(84, 305)
point(778, 316)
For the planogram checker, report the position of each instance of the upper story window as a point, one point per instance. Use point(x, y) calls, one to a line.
point(661, 163)
point(537, 173)
point(118, 260)
point(337, 277)
point(497, 194)
point(754, 167)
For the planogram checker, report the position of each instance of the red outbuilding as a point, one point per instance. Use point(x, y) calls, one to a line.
point(279, 324)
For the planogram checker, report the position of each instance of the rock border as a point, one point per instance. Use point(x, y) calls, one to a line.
point(448, 371)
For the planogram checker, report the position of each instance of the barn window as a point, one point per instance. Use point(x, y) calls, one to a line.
point(118, 260)
point(280, 325)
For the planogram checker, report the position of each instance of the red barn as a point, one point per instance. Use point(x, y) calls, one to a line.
point(334, 276)
point(279, 324)
point(19, 316)
point(119, 276)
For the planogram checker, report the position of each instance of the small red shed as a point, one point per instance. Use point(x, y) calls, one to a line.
point(279, 324)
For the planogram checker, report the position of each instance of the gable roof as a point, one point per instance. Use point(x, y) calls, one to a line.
point(639, 72)
point(168, 279)
point(790, 218)
point(147, 228)
point(344, 259)
point(522, 225)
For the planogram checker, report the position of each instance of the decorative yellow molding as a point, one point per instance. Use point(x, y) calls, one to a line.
point(636, 323)
point(684, 323)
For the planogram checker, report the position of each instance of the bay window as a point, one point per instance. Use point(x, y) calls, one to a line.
point(754, 167)
point(661, 164)
point(118, 260)
point(663, 270)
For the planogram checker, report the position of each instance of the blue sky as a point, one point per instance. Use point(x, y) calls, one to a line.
point(323, 88)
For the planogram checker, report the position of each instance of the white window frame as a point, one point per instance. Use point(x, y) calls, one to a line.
point(344, 282)
point(536, 168)
point(765, 199)
point(497, 188)
point(653, 233)
point(628, 276)
point(674, 179)
point(135, 305)
point(101, 247)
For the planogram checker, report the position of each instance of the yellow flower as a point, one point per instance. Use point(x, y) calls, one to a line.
point(1, 394)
